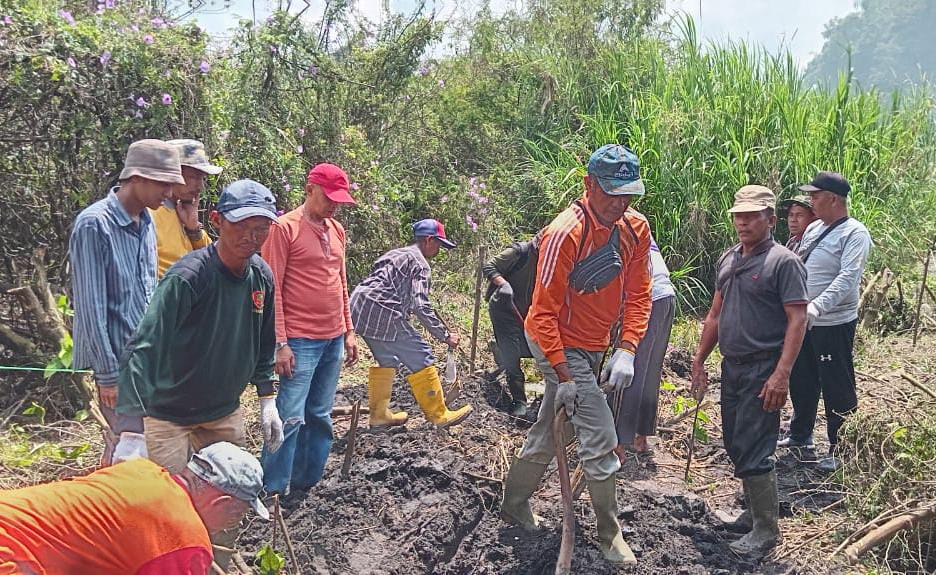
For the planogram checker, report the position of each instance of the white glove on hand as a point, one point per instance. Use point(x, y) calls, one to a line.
point(129, 446)
point(619, 372)
point(565, 397)
point(812, 314)
point(271, 423)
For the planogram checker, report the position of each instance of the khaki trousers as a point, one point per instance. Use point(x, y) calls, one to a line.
point(171, 445)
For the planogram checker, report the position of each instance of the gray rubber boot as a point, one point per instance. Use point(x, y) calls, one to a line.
point(522, 480)
point(745, 522)
point(763, 501)
point(611, 541)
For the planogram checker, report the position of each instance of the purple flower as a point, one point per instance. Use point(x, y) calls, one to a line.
point(280, 212)
point(148, 39)
point(134, 27)
point(299, 149)
point(483, 200)
point(313, 70)
point(204, 67)
point(71, 62)
point(105, 57)
point(355, 186)
point(66, 15)
point(274, 49)
point(424, 70)
point(109, 4)
point(481, 185)
point(141, 103)
point(158, 23)
point(301, 132)
point(469, 220)
point(7, 20)
point(441, 83)
point(444, 198)
point(166, 99)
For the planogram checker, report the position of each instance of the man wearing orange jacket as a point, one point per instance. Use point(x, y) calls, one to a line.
point(593, 257)
point(130, 518)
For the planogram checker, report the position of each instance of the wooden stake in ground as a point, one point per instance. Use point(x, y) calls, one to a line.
point(564, 562)
point(482, 254)
point(695, 421)
point(916, 320)
point(352, 434)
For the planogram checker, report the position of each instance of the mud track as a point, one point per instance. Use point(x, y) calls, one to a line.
point(421, 500)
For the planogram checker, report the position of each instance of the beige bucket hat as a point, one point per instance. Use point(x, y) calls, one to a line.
point(153, 160)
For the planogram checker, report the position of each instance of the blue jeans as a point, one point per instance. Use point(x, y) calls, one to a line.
point(305, 403)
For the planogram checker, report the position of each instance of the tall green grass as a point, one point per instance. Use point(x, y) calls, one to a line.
point(706, 120)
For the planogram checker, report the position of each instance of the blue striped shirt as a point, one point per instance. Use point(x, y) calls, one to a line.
point(113, 272)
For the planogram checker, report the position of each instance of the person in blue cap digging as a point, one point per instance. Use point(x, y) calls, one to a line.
point(398, 287)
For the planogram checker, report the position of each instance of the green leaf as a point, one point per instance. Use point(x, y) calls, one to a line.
point(269, 561)
point(81, 415)
point(74, 452)
point(701, 434)
point(667, 386)
point(37, 410)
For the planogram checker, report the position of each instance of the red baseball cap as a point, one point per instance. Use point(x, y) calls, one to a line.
point(334, 182)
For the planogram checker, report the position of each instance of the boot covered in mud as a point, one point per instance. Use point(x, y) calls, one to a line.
point(745, 522)
point(763, 501)
point(427, 388)
point(522, 480)
point(379, 385)
point(611, 541)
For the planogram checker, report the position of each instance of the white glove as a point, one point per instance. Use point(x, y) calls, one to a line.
point(271, 423)
point(619, 372)
point(129, 446)
point(565, 397)
point(812, 314)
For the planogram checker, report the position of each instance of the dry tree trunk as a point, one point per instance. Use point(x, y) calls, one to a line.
point(37, 299)
point(888, 530)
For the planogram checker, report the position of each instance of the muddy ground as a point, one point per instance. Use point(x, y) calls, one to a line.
point(421, 500)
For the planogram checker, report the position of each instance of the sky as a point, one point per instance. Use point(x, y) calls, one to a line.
point(795, 24)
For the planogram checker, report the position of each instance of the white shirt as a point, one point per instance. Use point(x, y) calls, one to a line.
point(834, 268)
point(662, 286)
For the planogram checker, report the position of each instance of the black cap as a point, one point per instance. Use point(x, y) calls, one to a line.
point(828, 182)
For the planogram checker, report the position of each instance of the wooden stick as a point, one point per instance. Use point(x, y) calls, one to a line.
point(352, 434)
point(695, 421)
point(917, 384)
point(348, 410)
point(578, 482)
point(885, 532)
point(216, 569)
point(276, 513)
point(289, 544)
point(482, 253)
point(919, 306)
point(564, 562)
point(805, 542)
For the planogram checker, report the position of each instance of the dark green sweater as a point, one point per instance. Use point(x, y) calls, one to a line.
point(205, 334)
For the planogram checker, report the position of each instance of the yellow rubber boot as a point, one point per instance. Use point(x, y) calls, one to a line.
point(428, 392)
point(379, 384)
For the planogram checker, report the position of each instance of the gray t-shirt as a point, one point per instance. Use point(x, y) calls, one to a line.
point(834, 269)
point(754, 289)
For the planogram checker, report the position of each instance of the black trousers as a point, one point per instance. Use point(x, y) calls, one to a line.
point(749, 432)
point(511, 344)
point(825, 366)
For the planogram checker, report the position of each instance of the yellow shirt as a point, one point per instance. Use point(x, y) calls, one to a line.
point(171, 241)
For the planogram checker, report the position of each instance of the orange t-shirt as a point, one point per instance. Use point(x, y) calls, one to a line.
point(559, 316)
point(308, 263)
point(130, 518)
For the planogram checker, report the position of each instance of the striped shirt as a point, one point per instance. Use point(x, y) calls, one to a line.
point(397, 287)
point(113, 272)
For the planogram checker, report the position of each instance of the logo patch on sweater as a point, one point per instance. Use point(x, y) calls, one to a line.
point(257, 298)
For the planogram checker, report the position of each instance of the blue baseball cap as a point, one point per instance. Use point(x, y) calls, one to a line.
point(233, 471)
point(244, 199)
point(430, 228)
point(617, 170)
